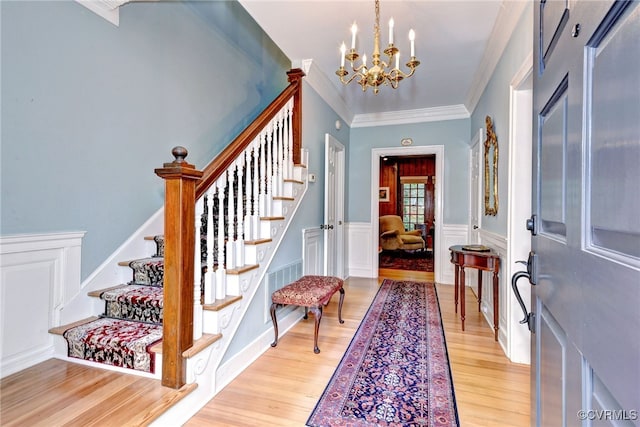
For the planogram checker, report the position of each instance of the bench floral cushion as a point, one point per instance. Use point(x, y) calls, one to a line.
point(308, 291)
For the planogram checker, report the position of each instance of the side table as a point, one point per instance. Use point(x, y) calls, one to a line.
point(483, 260)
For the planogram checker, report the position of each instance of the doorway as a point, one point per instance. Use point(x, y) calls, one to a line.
point(406, 211)
point(437, 151)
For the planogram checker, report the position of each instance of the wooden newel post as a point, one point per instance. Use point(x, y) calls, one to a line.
point(295, 77)
point(179, 245)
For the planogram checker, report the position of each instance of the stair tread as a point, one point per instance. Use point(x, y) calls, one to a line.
point(99, 292)
point(295, 181)
point(272, 218)
point(257, 241)
point(243, 269)
point(198, 345)
point(59, 330)
point(290, 199)
point(150, 258)
point(219, 304)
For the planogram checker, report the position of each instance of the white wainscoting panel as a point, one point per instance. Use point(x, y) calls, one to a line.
point(452, 234)
point(360, 249)
point(312, 251)
point(39, 274)
point(499, 244)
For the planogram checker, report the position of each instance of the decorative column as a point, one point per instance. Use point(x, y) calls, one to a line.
point(179, 233)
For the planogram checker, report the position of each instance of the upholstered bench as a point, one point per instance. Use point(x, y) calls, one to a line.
point(312, 293)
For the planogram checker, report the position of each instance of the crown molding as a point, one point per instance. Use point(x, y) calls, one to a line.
point(508, 17)
point(107, 9)
point(435, 114)
point(325, 88)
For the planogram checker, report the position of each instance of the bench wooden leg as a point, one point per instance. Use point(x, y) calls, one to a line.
point(340, 306)
point(275, 324)
point(317, 312)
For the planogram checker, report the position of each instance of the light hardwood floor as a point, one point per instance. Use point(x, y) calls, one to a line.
point(283, 385)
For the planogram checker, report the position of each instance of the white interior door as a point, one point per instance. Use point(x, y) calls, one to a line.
point(334, 207)
point(475, 215)
point(585, 265)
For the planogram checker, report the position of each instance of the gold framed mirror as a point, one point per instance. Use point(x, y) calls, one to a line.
point(490, 170)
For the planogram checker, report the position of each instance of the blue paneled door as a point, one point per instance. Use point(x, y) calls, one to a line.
point(585, 261)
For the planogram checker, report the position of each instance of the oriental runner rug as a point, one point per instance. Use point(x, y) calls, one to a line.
point(396, 370)
point(401, 260)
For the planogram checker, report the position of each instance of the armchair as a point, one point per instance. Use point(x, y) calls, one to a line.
point(393, 236)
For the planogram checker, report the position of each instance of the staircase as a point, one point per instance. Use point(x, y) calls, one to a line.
point(222, 228)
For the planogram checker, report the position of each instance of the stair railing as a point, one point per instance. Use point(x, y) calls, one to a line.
point(209, 215)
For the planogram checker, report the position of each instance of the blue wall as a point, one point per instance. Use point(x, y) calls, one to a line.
point(318, 119)
point(494, 102)
point(453, 134)
point(89, 109)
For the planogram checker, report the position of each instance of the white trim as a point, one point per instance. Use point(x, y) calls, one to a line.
point(452, 234)
point(519, 189)
point(311, 251)
point(328, 92)
point(360, 243)
point(376, 154)
point(508, 17)
point(476, 140)
point(325, 89)
point(422, 115)
point(107, 9)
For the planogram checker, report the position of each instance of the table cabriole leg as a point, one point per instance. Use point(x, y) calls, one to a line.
point(479, 289)
point(462, 295)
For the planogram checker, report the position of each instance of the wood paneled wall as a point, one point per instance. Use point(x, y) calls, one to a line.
point(392, 168)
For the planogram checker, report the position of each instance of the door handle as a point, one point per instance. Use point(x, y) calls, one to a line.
point(529, 317)
point(475, 227)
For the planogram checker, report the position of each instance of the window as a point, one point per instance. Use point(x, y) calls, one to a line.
point(413, 204)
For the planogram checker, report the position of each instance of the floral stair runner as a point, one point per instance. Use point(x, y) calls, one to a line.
point(134, 302)
point(131, 323)
point(115, 342)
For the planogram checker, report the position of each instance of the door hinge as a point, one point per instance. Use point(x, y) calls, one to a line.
point(532, 224)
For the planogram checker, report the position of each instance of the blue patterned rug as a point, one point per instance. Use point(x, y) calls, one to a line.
point(396, 370)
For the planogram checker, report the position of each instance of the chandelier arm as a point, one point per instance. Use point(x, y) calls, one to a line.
point(350, 79)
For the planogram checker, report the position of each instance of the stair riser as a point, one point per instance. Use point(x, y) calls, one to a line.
point(254, 254)
point(215, 322)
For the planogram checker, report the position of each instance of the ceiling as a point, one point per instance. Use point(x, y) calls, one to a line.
point(451, 44)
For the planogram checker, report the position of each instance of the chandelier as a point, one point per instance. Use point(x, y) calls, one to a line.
point(379, 71)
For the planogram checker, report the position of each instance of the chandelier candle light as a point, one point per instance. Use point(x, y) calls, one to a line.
point(377, 75)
